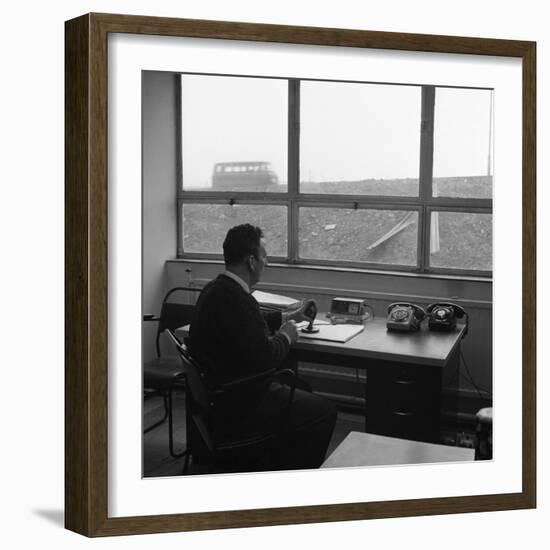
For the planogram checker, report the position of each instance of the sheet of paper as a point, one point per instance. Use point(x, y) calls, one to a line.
point(316, 323)
point(334, 333)
point(274, 300)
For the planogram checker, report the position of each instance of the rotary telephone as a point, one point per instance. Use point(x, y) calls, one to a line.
point(443, 316)
point(404, 317)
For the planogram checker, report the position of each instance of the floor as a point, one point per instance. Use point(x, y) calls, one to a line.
point(158, 462)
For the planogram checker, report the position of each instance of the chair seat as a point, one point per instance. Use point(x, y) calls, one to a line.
point(162, 373)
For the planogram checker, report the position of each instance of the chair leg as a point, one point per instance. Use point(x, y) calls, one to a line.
point(171, 428)
point(159, 422)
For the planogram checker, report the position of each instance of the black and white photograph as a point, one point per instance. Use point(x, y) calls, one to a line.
point(317, 273)
point(275, 274)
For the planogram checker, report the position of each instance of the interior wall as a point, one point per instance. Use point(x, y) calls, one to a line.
point(158, 193)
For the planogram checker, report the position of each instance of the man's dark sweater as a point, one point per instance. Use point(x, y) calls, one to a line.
point(232, 338)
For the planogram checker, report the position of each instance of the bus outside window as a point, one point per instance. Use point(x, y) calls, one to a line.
point(249, 175)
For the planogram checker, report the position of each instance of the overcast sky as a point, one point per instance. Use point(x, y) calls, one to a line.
point(348, 131)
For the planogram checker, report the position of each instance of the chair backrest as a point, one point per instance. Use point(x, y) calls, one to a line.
point(196, 379)
point(200, 406)
point(174, 314)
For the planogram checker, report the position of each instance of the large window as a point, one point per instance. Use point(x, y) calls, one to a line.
point(338, 173)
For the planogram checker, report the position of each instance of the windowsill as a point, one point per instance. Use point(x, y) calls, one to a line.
point(405, 274)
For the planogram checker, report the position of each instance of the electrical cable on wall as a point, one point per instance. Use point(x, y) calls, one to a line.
point(483, 393)
point(470, 379)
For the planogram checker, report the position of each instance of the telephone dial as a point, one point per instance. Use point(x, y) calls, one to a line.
point(404, 317)
point(443, 316)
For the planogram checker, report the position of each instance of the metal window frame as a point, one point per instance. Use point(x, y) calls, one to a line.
point(293, 199)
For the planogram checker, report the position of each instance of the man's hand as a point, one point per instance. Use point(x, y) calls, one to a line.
point(289, 328)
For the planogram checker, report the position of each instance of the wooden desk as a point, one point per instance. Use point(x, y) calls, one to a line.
point(405, 373)
point(365, 449)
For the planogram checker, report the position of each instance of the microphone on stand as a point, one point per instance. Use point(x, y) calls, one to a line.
point(311, 312)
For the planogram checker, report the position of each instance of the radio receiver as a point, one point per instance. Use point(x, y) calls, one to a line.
point(349, 310)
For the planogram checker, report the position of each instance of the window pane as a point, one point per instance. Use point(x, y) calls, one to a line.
point(378, 236)
point(205, 226)
point(461, 240)
point(359, 138)
point(463, 143)
point(234, 133)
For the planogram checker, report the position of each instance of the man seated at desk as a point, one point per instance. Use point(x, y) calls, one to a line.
point(233, 338)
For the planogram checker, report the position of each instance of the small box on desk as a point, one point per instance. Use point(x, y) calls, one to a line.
point(349, 310)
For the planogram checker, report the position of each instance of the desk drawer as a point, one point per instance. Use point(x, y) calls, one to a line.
point(404, 401)
point(405, 374)
point(404, 385)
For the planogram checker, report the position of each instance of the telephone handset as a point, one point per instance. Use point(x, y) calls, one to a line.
point(443, 316)
point(404, 316)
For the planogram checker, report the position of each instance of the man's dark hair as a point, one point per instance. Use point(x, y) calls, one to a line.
point(240, 242)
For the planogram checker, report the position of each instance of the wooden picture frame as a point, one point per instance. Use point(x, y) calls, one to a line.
point(86, 230)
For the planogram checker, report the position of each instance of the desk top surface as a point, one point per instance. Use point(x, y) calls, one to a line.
point(364, 449)
point(376, 342)
point(423, 347)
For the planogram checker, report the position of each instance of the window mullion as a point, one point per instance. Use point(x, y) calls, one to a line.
point(426, 174)
point(293, 166)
